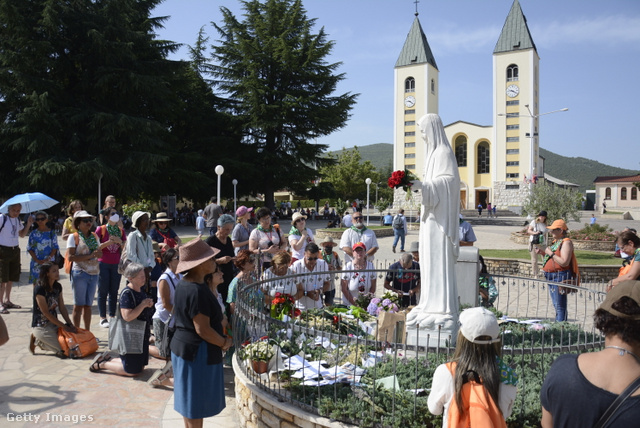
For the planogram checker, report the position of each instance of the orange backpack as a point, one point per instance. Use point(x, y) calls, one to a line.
point(479, 408)
point(68, 263)
point(77, 345)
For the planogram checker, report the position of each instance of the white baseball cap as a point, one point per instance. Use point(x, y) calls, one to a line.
point(478, 322)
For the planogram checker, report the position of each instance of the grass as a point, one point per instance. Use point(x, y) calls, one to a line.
point(584, 257)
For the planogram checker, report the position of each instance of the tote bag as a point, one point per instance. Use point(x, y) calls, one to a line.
point(126, 337)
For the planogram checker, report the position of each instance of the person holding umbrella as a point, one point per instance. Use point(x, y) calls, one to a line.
point(11, 228)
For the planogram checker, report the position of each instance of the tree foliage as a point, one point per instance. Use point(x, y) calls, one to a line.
point(348, 173)
point(556, 201)
point(272, 69)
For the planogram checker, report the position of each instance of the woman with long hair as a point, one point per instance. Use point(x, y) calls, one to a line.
point(67, 227)
point(476, 361)
point(560, 265)
point(578, 389)
point(629, 243)
point(47, 300)
point(42, 246)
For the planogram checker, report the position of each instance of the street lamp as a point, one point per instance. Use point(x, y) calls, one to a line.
point(219, 170)
point(368, 181)
point(235, 183)
point(532, 134)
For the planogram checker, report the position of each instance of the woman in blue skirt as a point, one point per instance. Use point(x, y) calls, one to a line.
point(197, 345)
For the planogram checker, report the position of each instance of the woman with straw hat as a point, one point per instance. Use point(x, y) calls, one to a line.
point(163, 234)
point(198, 343)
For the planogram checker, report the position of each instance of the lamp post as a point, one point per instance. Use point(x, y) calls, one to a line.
point(532, 134)
point(219, 171)
point(235, 183)
point(368, 181)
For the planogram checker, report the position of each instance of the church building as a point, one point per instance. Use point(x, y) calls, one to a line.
point(495, 162)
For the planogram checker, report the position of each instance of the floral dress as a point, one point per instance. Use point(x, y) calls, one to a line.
point(41, 243)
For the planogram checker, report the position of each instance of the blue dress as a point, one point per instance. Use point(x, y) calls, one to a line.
point(41, 243)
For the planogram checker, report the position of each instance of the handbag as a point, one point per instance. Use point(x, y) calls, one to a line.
point(126, 337)
point(613, 408)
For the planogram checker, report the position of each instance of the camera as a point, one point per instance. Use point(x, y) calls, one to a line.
point(537, 239)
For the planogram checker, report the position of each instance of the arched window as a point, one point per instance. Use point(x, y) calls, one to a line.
point(607, 193)
point(512, 73)
point(623, 193)
point(433, 86)
point(461, 150)
point(410, 84)
point(634, 193)
point(483, 158)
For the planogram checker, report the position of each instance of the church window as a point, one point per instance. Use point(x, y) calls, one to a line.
point(410, 84)
point(513, 139)
point(513, 127)
point(513, 175)
point(607, 193)
point(409, 155)
point(483, 158)
point(412, 111)
point(512, 73)
point(634, 193)
point(410, 123)
point(513, 151)
point(409, 144)
point(513, 163)
point(513, 103)
point(461, 150)
point(623, 193)
point(410, 166)
point(410, 134)
point(433, 86)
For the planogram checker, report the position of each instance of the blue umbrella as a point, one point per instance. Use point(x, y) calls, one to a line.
point(30, 202)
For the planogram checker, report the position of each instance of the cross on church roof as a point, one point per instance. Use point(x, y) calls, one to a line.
point(416, 2)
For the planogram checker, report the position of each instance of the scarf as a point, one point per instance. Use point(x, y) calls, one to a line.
point(360, 231)
point(91, 242)
point(114, 230)
point(554, 247)
point(262, 229)
point(295, 231)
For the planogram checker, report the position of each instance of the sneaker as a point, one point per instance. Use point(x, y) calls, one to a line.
point(104, 323)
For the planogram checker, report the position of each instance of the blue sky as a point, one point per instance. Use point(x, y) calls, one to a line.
point(589, 62)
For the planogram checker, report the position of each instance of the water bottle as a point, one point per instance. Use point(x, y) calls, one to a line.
point(74, 349)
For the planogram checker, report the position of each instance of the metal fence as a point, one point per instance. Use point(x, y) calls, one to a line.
point(342, 388)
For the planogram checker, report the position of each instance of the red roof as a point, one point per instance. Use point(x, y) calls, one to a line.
point(618, 179)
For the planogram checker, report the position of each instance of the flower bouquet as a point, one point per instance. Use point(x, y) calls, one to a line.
point(283, 305)
point(259, 353)
point(402, 178)
point(388, 303)
point(363, 300)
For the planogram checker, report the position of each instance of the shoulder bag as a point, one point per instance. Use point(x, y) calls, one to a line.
point(165, 345)
point(126, 337)
point(124, 261)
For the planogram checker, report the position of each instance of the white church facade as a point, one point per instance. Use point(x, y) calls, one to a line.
point(496, 162)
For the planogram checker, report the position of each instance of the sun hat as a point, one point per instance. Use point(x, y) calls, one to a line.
point(477, 322)
point(156, 247)
point(630, 289)
point(328, 241)
point(414, 247)
point(558, 224)
point(194, 253)
point(296, 217)
point(359, 245)
point(542, 213)
point(162, 217)
point(242, 210)
point(136, 216)
point(82, 213)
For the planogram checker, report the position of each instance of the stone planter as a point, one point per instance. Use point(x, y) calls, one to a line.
point(336, 234)
point(523, 238)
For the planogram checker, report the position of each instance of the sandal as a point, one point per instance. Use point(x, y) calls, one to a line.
point(11, 305)
point(102, 358)
point(3, 310)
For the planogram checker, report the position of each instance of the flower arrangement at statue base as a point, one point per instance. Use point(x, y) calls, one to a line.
point(402, 178)
point(259, 353)
point(363, 300)
point(388, 303)
point(283, 307)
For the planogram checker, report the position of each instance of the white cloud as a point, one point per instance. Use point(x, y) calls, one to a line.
point(615, 30)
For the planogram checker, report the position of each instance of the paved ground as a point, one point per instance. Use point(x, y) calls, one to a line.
point(63, 392)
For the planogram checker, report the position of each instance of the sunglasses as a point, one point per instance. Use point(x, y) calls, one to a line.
point(311, 259)
point(357, 218)
point(41, 219)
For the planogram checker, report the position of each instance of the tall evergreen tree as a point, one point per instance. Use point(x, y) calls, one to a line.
point(272, 69)
point(86, 92)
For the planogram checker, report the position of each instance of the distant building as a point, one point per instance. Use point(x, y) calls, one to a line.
point(617, 192)
point(496, 162)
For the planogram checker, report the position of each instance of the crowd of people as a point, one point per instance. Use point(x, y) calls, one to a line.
point(186, 293)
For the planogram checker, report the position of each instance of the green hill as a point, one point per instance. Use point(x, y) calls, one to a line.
point(579, 170)
point(576, 170)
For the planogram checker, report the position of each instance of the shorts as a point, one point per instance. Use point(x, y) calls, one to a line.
point(84, 287)
point(9, 264)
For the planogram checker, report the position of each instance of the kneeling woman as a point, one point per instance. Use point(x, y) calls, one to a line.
point(47, 297)
point(134, 304)
point(197, 345)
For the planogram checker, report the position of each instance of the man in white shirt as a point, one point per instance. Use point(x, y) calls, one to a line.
point(11, 228)
point(346, 220)
point(358, 232)
point(317, 278)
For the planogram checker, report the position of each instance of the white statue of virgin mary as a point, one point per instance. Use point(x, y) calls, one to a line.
point(439, 231)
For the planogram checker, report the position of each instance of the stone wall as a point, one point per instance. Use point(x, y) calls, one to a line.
point(610, 246)
point(522, 268)
point(510, 198)
point(336, 234)
point(257, 408)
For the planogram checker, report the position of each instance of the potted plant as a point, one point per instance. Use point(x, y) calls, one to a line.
point(259, 353)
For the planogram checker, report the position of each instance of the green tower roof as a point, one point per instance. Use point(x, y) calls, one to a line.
point(515, 32)
point(416, 49)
